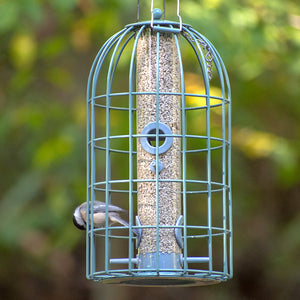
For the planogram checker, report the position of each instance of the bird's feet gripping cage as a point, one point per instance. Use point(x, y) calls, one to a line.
point(158, 126)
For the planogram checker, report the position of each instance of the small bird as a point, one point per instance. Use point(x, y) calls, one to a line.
point(79, 215)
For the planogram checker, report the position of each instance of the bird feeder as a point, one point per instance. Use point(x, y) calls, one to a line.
point(159, 146)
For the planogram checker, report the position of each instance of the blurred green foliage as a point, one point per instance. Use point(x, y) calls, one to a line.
point(46, 50)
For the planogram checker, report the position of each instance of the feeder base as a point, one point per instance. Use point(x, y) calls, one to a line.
point(161, 281)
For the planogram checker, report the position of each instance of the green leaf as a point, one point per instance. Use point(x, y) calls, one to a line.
point(9, 11)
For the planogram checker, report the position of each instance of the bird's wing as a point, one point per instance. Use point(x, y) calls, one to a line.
point(115, 218)
point(101, 207)
point(98, 207)
point(115, 208)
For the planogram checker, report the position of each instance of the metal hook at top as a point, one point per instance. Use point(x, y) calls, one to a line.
point(156, 14)
point(179, 17)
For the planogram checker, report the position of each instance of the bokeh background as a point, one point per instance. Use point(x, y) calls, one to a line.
point(46, 51)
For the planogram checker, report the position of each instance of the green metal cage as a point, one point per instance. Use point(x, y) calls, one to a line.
point(158, 145)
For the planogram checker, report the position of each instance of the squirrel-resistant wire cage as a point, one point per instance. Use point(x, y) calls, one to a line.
point(159, 146)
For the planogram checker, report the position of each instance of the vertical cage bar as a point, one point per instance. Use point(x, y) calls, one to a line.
point(208, 163)
point(88, 181)
point(93, 176)
point(130, 200)
point(132, 78)
point(156, 152)
point(224, 172)
point(107, 176)
point(229, 179)
point(183, 158)
point(224, 180)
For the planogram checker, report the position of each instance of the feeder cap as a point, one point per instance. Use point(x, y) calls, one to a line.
point(157, 13)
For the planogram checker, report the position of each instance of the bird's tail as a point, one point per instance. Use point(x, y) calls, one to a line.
point(118, 219)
